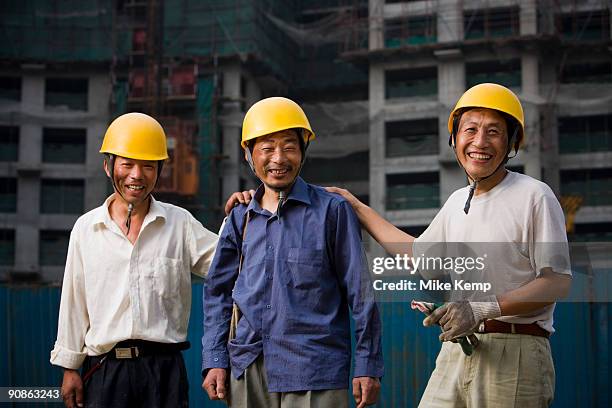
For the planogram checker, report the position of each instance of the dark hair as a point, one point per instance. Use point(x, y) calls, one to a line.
point(299, 133)
point(110, 159)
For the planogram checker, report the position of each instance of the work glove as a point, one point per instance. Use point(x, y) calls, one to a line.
point(459, 319)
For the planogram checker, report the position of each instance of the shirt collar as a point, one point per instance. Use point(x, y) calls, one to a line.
point(102, 216)
point(299, 192)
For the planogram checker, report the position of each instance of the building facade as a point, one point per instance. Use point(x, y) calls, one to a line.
point(377, 80)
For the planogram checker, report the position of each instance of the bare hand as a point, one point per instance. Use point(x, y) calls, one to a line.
point(347, 195)
point(243, 197)
point(72, 389)
point(214, 383)
point(365, 390)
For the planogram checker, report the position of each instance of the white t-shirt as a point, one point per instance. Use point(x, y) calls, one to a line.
point(521, 226)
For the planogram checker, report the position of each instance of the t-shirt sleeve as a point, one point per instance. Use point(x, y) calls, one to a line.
point(548, 242)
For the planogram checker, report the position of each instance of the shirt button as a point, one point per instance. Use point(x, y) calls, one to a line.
point(268, 306)
point(267, 336)
point(270, 247)
point(216, 359)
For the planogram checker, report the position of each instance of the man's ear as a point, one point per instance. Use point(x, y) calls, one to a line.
point(105, 165)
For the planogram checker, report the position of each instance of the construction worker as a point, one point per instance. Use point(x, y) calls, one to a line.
point(126, 294)
point(512, 365)
point(292, 263)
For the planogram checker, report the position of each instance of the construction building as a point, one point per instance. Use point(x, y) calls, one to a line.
point(376, 78)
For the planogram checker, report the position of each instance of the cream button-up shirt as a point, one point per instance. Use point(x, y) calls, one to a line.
point(114, 291)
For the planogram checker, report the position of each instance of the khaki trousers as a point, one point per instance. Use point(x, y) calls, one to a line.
point(506, 370)
point(251, 391)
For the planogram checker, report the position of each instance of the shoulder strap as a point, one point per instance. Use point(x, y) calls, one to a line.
point(244, 230)
point(236, 313)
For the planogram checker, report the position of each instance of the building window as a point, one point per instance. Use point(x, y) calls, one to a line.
point(61, 196)
point(7, 247)
point(10, 88)
point(53, 247)
point(410, 31)
point(585, 134)
point(507, 73)
point(491, 23)
point(8, 195)
point(68, 93)
point(64, 145)
point(406, 83)
point(590, 72)
point(9, 143)
point(411, 137)
point(585, 26)
point(592, 232)
point(593, 185)
point(355, 167)
point(410, 191)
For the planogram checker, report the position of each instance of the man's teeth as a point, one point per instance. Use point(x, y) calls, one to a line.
point(479, 156)
point(276, 171)
point(135, 188)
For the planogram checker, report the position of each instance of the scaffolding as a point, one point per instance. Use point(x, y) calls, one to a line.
point(164, 58)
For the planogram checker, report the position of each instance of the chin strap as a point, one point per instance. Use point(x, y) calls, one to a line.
point(466, 208)
point(128, 220)
point(282, 196)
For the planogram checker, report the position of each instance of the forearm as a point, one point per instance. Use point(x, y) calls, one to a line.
point(385, 233)
point(535, 295)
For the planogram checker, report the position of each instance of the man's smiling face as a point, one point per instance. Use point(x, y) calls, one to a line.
point(134, 179)
point(482, 141)
point(277, 158)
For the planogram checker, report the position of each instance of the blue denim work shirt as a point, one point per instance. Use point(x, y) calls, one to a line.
point(299, 276)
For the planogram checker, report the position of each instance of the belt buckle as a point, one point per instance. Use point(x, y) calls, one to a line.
point(481, 327)
point(126, 352)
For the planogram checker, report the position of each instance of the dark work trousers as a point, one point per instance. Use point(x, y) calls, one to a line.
point(151, 381)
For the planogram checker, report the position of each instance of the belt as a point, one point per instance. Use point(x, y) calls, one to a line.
point(129, 349)
point(496, 326)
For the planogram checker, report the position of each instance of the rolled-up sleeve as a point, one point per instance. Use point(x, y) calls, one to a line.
point(202, 244)
point(217, 297)
point(352, 269)
point(73, 323)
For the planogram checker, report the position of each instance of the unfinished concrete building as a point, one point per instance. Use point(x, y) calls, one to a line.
point(555, 55)
point(377, 79)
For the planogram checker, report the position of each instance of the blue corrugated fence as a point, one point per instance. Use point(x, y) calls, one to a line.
point(580, 349)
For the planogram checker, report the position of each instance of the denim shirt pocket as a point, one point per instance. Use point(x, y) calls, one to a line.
point(305, 268)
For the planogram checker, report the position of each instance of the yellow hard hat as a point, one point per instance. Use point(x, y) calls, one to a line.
point(135, 136)
point(272, 115)
point(492, 96)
